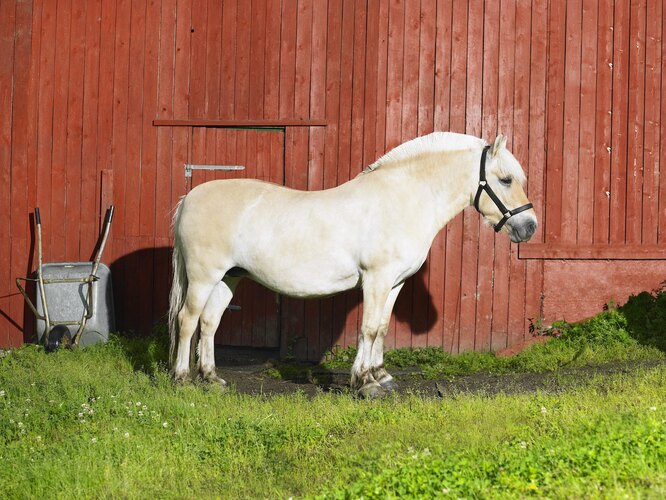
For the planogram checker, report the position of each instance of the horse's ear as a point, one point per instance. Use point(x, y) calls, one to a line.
point(500, 143)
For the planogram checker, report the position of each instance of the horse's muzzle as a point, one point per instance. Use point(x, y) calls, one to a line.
point(521, 229)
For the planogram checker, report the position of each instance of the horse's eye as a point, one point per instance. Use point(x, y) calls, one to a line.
point(506, 181)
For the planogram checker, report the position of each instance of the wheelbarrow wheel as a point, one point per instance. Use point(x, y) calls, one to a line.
point(58, 337)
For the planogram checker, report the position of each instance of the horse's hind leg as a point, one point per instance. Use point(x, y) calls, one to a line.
point(210, 319)
point(188, 320)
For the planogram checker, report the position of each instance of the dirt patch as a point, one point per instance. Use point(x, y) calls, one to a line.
point(256, 375)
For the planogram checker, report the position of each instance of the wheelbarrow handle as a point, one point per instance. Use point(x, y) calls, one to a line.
point(109, 215)
point(38, 219)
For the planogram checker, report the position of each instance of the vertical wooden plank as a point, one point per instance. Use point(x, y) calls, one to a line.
point(406, 94)
point(496, 46)
point(588, 99)
point(603, 139)
point(272, 61)
point(74, 216)
point(288, 61)
point(344, 306)
point(213, 61)
point(382, 76)
point(571, 141)
point(536, 182)
point(257, 56)
point(661, 237)
point(332, 310)
point(135, 97)
point(555, 121)
point(198, 59)
point(424, 312)
point(20, 222)
point(393, 134)
point(506, 109)
point(619, 124)
point(276, 175)
point(181, 135)
point(59, 152)
point(454, 229)
point(165, 102)
point(242, 84)
point(228, 72)
point(517, 292)
point(120, 124)
point(148, 180)
point(636, 114)
point(442, 84)
point(395, 74)
point(166, 19)
point(104, 111)
point(7, 40)
point(90, 89)
point(319, 330)
point(471, 221)
point(370, 90)
point(652, 128)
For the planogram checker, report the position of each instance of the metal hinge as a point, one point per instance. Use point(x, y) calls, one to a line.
point(189, 167)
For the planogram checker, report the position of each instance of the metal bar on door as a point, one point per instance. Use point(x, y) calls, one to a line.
point(189, 167)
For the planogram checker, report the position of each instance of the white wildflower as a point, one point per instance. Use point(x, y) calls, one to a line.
point(80, 415)
point(140, 413)
point(127, 434)
point(653, 408)
point(544, 410)
point(93, 440)
point(164, 424)
point(523, 444)
point(20, 424)
point(2, 394)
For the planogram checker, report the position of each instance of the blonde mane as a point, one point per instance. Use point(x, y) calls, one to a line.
point(432, 143)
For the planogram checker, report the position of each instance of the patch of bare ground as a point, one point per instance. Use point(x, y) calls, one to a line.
point(258, 375)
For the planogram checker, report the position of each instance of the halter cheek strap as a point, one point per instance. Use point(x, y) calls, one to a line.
point(484, 186)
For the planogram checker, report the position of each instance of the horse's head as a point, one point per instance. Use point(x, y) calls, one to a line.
point(500, 197)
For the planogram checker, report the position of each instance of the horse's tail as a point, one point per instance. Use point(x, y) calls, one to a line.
point(178, 285)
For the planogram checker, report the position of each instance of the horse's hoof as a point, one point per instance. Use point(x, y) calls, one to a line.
point(180, 378)
point(371, 391)
point(213, 379)
point(389, 385)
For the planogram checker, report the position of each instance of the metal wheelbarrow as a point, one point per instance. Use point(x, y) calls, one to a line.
point(74, 300)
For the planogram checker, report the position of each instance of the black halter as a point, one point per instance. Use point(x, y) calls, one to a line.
point(484, 186)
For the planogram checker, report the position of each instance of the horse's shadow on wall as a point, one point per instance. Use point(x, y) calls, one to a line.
point(306, 329)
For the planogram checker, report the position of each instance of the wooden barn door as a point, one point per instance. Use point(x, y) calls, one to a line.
point(218, 153)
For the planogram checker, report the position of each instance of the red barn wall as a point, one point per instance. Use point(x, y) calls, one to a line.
point(104, 101)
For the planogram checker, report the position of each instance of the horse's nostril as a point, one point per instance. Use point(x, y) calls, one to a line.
point(530, 228)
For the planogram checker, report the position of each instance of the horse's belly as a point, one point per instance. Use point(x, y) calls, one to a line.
point(305, 280)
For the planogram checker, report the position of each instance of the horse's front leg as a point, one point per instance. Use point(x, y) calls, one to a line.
point(368, 365)
point(377, 369)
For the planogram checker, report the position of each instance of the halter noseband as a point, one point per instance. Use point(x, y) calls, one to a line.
point(484, 186)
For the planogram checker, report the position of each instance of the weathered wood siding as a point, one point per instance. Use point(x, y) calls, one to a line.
point(104, 101)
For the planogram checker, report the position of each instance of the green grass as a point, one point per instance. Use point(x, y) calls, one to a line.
point(633, 332)
point(107, 421)
point(88, 424)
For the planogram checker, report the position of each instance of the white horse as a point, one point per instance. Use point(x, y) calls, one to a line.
point(372, 232)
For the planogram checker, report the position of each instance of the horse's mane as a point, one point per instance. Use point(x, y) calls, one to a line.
point(431, 143)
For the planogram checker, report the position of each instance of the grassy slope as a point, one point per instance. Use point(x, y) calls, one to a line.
point(107, 421)
point(186, 442)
